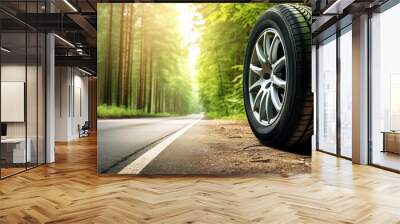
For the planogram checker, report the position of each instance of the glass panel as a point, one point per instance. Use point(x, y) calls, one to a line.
point(23, 89)
point(41, 99)
point(32, 89)
point(346, 93)
point(13, 86)
point(385, 84)
point(327, 96)
point(32, 98)
point(2, 127)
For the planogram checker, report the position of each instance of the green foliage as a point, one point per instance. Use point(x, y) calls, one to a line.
point(142, 61)
point(223, 42)
point(104, 111)
point(238, 116)
point(143, 65)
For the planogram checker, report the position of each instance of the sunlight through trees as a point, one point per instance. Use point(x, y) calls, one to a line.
point(145, 58)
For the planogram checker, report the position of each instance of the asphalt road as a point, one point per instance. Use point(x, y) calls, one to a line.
point(121, 140)
point(186, 155)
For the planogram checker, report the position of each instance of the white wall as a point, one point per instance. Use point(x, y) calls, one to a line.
point(12, 73)
point(81, 89)
point(33, 126)
point(71, 87)
point(15, 73)
point(62, 82)
point(13, 100)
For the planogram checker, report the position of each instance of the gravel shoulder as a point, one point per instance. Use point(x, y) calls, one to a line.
point(222, 148)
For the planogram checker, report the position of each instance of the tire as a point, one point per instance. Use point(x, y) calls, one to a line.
point(277, 88)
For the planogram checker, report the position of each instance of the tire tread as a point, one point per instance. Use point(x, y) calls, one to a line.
point(299, 19)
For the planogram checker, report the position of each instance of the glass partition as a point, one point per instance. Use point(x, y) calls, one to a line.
point(22, 77)
point(41, 97)
point(346, 92)
point(14, 145)
point(327, 95)
point(385, 89)
point(32, 97)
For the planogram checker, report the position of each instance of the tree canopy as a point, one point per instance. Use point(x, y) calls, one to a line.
point(143, 58)
point(223, 43)
point(142, 62)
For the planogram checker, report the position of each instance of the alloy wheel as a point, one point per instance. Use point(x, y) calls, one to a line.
point(267, 77)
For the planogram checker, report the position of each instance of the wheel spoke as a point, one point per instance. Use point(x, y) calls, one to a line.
point(268, 47)
point(256, 100)
point(262, 102)
point(278, 81)
point(272, 49)
point(275, 99)
point(279, 64)
point(267, 104)
point(256, 70)
point(260, 51)
point(256, 84)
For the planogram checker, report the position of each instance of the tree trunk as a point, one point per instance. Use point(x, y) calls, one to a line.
point(121, 57)
point(150, 95)
point(150, 79)
point(108, 64)
point(128, 58)
point(142, 77)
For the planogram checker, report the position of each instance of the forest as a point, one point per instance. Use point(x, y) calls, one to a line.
point(172, 59)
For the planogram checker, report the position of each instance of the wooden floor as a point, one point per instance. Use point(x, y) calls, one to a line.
point(8, 171)
point(70, 191)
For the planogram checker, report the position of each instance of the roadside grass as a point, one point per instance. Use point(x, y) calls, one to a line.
point(115, 112)
point(105, 111)
point(239, 116)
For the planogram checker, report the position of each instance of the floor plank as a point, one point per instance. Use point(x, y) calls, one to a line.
point(70, 191)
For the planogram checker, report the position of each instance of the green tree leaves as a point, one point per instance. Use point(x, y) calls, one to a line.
point(142, 61)
point(223, 42)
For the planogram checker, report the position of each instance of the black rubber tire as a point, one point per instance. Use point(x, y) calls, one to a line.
point(295, 124)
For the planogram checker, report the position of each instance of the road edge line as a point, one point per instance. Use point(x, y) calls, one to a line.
point(136, 166)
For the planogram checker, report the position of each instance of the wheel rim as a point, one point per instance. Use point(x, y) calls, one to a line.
point(267, 77)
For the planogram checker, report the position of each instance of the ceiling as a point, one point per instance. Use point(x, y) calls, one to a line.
point(73, 21)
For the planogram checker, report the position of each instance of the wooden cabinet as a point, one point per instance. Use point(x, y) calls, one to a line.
point(391, 142)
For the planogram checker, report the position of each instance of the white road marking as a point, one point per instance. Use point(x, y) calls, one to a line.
point(136, 166)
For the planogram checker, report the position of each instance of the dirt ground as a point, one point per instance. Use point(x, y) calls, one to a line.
point(215, 148)
point(234, 150)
